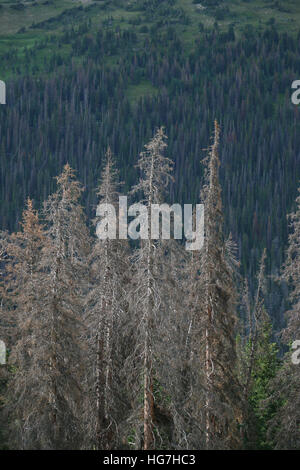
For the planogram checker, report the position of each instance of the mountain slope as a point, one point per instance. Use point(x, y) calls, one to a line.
point(103, 74)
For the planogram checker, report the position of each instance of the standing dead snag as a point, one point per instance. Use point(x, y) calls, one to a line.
point(4, 333)
point(148, 298)
point(103, 313)
point(26, 405)
point(214, 325)
point(63, 285)
point(284, 428)
point(47, 272)
point(4, 287)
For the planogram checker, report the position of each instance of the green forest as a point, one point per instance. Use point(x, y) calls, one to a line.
point(122, 344)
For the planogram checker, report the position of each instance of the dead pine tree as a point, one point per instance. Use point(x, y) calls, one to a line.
point(148, 297)
point(25, 400)
point(218, 405)
point(4, 287)
point(105, 305)
point(63, 285)
point(4, 335)
point(284, 428)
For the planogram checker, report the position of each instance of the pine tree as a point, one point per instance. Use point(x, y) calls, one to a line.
point(29, 342)
point(148, 297)
point(284, 428)
point(258, 363)
point(105, 309)
point(264, 370)
point(5, 328)
point(63, 288)
point(216, 390)
point(180, 330)
point(4, 259)
point(253, 316)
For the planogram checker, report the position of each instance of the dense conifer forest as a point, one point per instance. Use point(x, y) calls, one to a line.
point(136, 345)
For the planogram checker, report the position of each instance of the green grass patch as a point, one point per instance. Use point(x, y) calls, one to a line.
point(22, 29)
point(143, 89)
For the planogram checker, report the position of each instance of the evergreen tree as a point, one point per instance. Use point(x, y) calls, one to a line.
point(4, 335)
point(26, 400)
point(105, 310)
point(284, 428)
point(63, 286)
point(264, 370)
point(258, 364)
point(148, 299)
point(216, 393)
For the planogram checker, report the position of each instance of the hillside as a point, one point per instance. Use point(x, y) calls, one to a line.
point(82, 75)
point(25, 23)
point(129, 344)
